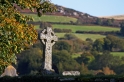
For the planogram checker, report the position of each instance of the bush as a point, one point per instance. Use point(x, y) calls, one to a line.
point(62, 30)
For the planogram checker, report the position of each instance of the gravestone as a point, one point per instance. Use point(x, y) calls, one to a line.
point(74, 73)
point(48, 38)
point(9, 71)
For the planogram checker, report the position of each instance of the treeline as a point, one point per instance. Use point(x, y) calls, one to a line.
point(111, 43)
point(95, 57)
point(59, 30)
point(63, 23)
point(62, 30)
point(97, 21)
point(99, 32)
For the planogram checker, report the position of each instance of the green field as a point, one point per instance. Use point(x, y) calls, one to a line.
point(121, 54)
point(92, 36)
point(75, 55)
point(83, 36)
point(52, 18)
point(60, 35)
point(74, 28)
point(36, 26)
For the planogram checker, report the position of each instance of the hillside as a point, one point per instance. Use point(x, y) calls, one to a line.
point(82, 17)
point(118, 17)
point(66, 20)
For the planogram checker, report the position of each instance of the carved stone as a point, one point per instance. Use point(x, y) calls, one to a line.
point(48, 39)
point(74, 73)
point(9, 71)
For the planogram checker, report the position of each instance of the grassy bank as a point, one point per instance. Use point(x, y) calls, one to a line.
point(75, 28)
point(120, 54)
point(83, 36)
point(52, 18)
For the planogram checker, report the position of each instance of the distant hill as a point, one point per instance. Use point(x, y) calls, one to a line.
point(82, 18)
point(118, 17)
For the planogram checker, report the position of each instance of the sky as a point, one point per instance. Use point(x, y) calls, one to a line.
point(94, 7)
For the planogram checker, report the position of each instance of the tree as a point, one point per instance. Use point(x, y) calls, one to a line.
point(108, 71)
point(114, 43)
point(122, 28)
point(85, 58)
point(64, 61)
point(98, 44)
point(29, 61)
point(109, 22)
point(99, 21)
point(70, 36)
point(107, 44)
point(15, 34)
point(103, 60)
point(63, 45)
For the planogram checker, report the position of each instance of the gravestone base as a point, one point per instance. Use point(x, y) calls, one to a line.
point(47, 72)
point(44, 71)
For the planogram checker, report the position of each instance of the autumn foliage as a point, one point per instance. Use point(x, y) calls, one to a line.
point(15, 34)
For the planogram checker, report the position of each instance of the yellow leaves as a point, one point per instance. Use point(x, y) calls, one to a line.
point(2, 62)
point(13, 20)
point(8, 20)
point(2, 24)
point(0, 11)
point(16, 34)
point(26, 45)
point(22, 35)
point(20, 26)
point(21, 1)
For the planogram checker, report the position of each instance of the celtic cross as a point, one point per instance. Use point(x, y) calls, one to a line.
point(48, 38)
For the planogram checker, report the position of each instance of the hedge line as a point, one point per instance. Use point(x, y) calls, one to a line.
point(38, 78)
point(57, 30)
point(99, 32)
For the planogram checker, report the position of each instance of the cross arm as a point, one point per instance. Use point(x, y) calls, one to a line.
point(43, 36)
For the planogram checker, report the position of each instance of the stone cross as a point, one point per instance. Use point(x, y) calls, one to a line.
point(48, 38)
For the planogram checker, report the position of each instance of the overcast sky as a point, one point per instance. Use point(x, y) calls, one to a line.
point(94, 7)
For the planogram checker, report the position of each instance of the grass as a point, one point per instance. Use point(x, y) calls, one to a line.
point(119, 17)
point(52, 18)
point(75, 55)
point(92, 36)
point(60, 35)
point(36, 26)
point(121, 54)
point(83, 36)
point(74, 28)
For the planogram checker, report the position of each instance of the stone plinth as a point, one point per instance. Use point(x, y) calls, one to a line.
point(48, 39)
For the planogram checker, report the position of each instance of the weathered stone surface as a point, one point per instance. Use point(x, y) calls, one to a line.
point(74, 73)
point(9, 71)
point(48, 38)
